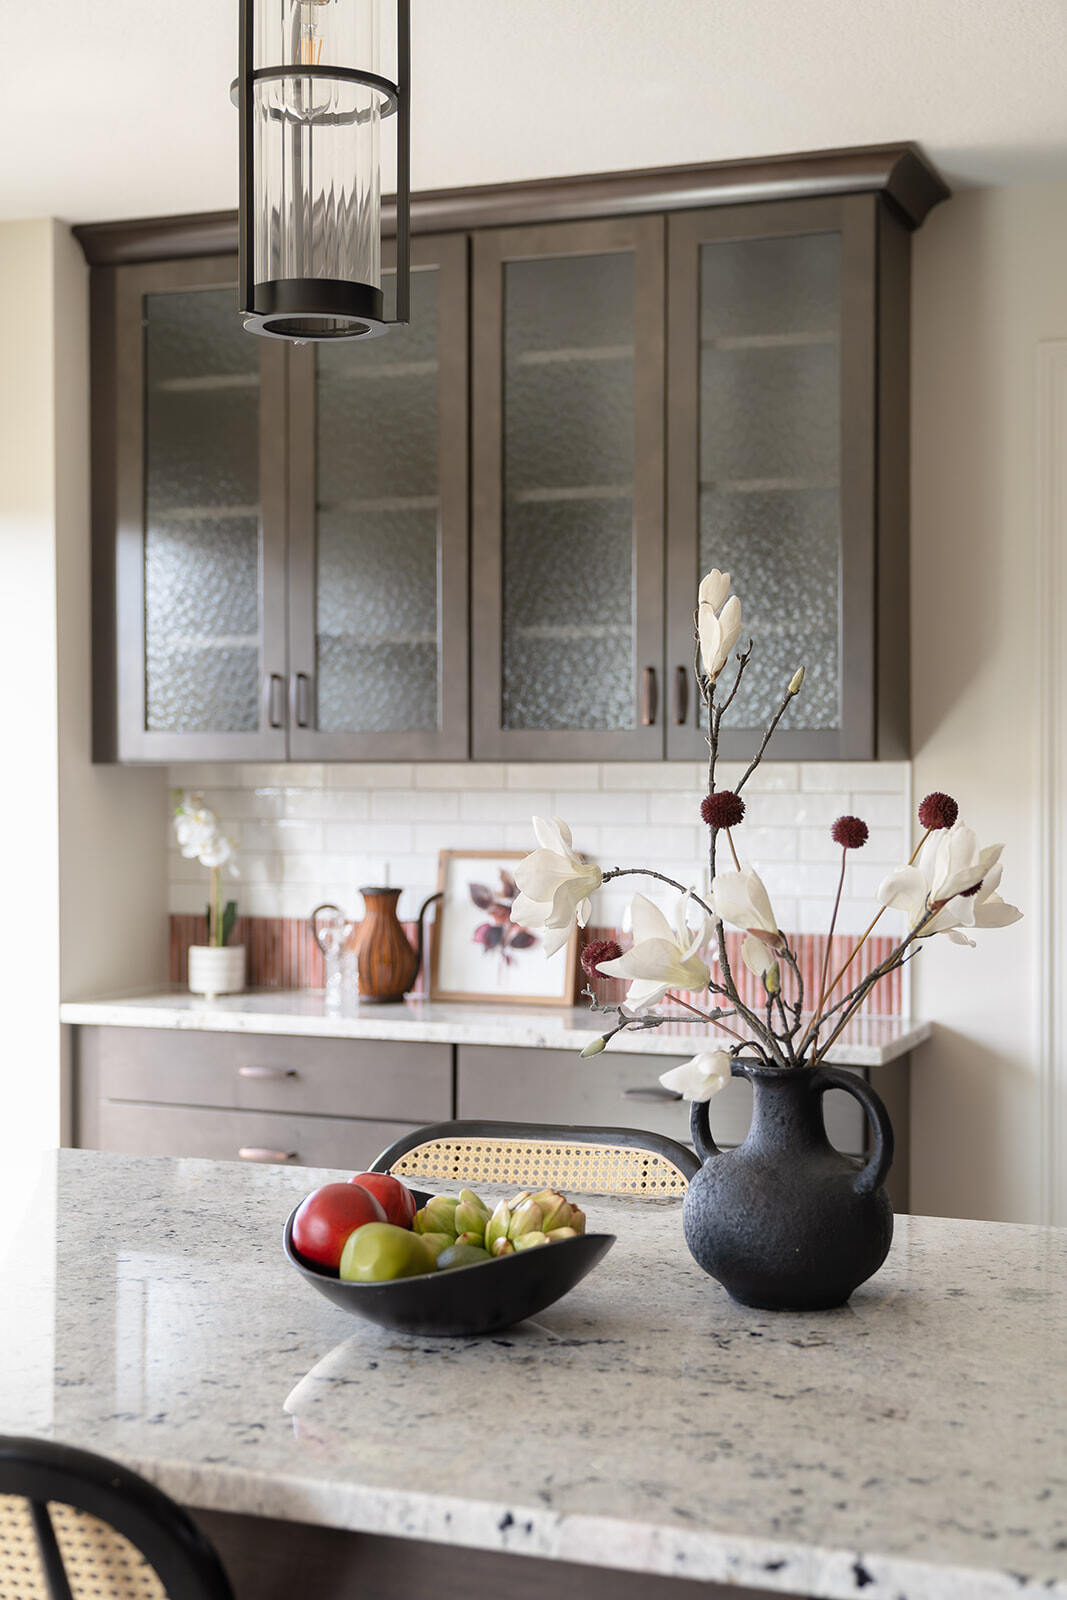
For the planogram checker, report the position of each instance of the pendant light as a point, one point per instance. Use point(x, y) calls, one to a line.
point(311, 103)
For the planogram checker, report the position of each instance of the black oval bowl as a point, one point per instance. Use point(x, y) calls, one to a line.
point(462, 1301)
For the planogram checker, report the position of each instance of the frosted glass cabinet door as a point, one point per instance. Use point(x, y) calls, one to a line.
point(773, 425)
point(566, 616)
point(378, 530)
point(199, 572)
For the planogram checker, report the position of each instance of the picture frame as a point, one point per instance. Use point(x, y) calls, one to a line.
point(478, 954)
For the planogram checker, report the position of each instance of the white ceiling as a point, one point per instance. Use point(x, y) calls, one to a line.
point(112, 111)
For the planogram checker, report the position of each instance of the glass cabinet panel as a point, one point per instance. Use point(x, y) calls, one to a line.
point(377, 516)
point(567, 624)
point(568, 534)
point(769, 462)
point(202, 596)
point(378, 528)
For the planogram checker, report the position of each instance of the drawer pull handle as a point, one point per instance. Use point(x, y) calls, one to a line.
point(267, 1072)
point(253, 1152)
point(651, 1091)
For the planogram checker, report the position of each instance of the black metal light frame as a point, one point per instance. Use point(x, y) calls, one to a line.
point(291, 300)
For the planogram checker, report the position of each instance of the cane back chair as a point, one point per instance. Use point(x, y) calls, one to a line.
point(76, 1526)
point(613, 1161)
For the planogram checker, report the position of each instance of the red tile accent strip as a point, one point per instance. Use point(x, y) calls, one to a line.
point(282, 954)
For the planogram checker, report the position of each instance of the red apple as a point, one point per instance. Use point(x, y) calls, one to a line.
point(326, 1218)
point(396, 1200)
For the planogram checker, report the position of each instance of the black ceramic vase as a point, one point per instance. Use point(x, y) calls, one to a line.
point(785, 1222)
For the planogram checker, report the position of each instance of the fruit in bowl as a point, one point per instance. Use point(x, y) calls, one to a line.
point(460, 1268)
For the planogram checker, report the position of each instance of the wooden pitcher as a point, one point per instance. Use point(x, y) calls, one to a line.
point(388, 962)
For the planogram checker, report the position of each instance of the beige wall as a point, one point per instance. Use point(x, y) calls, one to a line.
point(83, 879)
point(990, 284)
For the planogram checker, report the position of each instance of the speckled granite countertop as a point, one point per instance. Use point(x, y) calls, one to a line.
point(912, 1446)
point(867, 1042)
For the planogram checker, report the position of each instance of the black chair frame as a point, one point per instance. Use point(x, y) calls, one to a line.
point(632, 1138)
point(40, 1470)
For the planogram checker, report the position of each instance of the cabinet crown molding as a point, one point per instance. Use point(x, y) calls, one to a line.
point(900, 172)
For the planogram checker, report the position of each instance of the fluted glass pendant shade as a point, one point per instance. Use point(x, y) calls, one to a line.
point(312, 96)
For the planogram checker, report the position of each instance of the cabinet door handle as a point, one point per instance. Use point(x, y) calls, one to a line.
point(274, 700)
point(267, 1072)
point(300, 700)
point(681, 694)
point(648, 697)
point(254, 1152)
point(650, 1091)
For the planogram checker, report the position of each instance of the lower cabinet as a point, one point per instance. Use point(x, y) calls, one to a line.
point(323, 1102)
point(254, 1097)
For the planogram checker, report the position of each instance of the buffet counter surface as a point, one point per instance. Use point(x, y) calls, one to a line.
point(912, 1444)
point(867, 1042)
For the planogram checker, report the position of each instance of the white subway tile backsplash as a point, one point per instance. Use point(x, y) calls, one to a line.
point(414, 805)
point(463, 776)
point(371, 838)
point(309, 832)
point(510, 806)
point(601, 810)
point(652, 775)
point(553, 775)
point(369, 775)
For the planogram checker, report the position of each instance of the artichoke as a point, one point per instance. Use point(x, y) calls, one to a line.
point(438, 1215)
point(527, 1219)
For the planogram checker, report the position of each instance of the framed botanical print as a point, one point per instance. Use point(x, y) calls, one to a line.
point(479, 953)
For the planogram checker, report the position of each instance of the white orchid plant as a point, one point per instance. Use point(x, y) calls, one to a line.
point(948, 886)
point(196, 828)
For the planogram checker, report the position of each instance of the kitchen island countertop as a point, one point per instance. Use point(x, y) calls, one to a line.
point(869, 1041)
point(912, 1444)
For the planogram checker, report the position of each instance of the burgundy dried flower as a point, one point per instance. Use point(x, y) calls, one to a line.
point(593, 954)
point(938, 811)
point(723, 809)
point(851, 833)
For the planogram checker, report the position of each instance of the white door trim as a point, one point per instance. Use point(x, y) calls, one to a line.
point(1051, 830)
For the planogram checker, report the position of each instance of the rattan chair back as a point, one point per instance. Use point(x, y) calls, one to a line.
point(614, 1161)
point(77, 1526)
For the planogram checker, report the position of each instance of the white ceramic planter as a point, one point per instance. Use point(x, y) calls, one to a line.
point(216, 969)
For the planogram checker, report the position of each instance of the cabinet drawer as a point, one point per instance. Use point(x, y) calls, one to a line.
point(527, 1085)
point(153, 1130)
point(269, 1072)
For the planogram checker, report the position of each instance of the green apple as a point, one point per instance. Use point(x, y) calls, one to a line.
point(380, 1250)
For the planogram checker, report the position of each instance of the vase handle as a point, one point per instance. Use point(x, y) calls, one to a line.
point(700, 1124)
point(880, 1160)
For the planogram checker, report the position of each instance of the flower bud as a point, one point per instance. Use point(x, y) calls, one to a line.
point(796, 680)
point(594, 1047)
point(772, 980)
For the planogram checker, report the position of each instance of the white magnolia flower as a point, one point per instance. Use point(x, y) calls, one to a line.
point(554, 885)
point(741, 899)
point(758, 956)
point(663, 957)
point(718, 621)
point(700, 1078)
point(953, 873)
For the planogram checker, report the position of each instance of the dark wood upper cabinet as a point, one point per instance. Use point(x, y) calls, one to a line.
point(787, 441)
point(483, 534)
point(378, 531)
point(567, 449)
point(189, 618)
